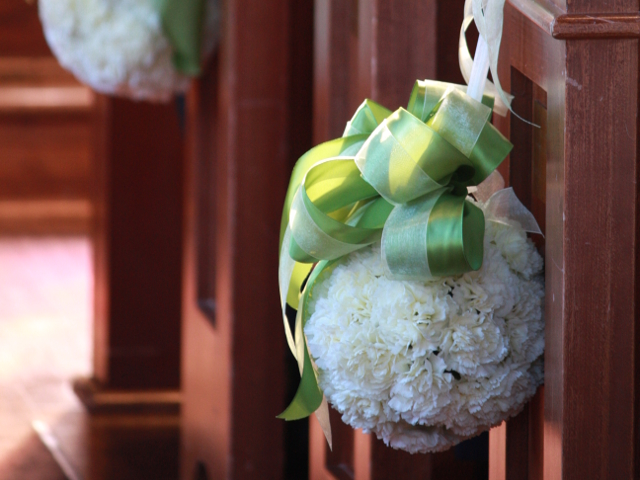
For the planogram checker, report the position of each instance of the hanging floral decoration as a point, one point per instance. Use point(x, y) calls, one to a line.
point(141, 49)
point(419, 307)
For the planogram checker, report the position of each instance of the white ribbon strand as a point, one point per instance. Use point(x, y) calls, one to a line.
point(479, 71)
point(489, 19)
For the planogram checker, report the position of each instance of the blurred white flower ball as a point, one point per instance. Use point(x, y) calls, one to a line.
point(118, 47)
point(425, 365)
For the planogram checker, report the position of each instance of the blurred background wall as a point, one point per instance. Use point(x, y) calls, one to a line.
point(48, 128)
point(90, 252)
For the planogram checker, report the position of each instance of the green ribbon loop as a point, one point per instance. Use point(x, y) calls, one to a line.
point(367, 117)
point(426, 95)
point(396, 177)
point(455, 246)
point(319, 235)
point(459, 119)
point(331, 149)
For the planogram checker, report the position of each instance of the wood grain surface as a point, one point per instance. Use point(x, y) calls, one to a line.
point(249, 118)
point(597, 26)
point(138, 247)
point(591, 101)
point(599, 302)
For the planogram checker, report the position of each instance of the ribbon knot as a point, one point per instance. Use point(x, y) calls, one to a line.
point(396, 177)
point(401, 178)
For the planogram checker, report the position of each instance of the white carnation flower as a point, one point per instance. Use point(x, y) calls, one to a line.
point(425, 365)
point(118, 46)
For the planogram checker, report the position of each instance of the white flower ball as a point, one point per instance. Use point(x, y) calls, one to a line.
point(425, 365)
point(118, 47)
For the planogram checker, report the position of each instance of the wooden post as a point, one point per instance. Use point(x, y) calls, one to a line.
point(249, 118)
point(137, 251)
point(584, 59)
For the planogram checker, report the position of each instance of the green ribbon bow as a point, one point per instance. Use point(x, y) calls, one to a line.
point(400, 178)
point(182, 21)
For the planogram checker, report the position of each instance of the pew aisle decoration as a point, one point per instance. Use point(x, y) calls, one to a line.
point(141, 49)
point(419, 297)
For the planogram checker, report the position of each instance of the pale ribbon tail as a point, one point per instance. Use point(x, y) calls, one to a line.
point(505, 207)
point(501, 205)
point(322, 414)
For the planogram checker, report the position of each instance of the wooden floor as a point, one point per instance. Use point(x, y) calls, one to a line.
point(45, 333)
point(30, 460)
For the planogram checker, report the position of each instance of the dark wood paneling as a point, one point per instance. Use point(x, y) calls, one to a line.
point(599, 303)
point(48, 124)
point(20, 30)
point(517, 446)
point(450, 17)
point(335, 40)
point(539, 163)
point(451, 465)
point(47, 127)
point(201, 151)
point(624, 25)
point(138, 248)
point(521, 157)
point(46, 156)
point(389, 463)
point(340, 459)
point(300, 138)
point(591, 242)
point(235, 370)
point(47, 131)
point(599, 6)
point(397, 39)
point(536, 435)
point(529, 60)
point(636, 392)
